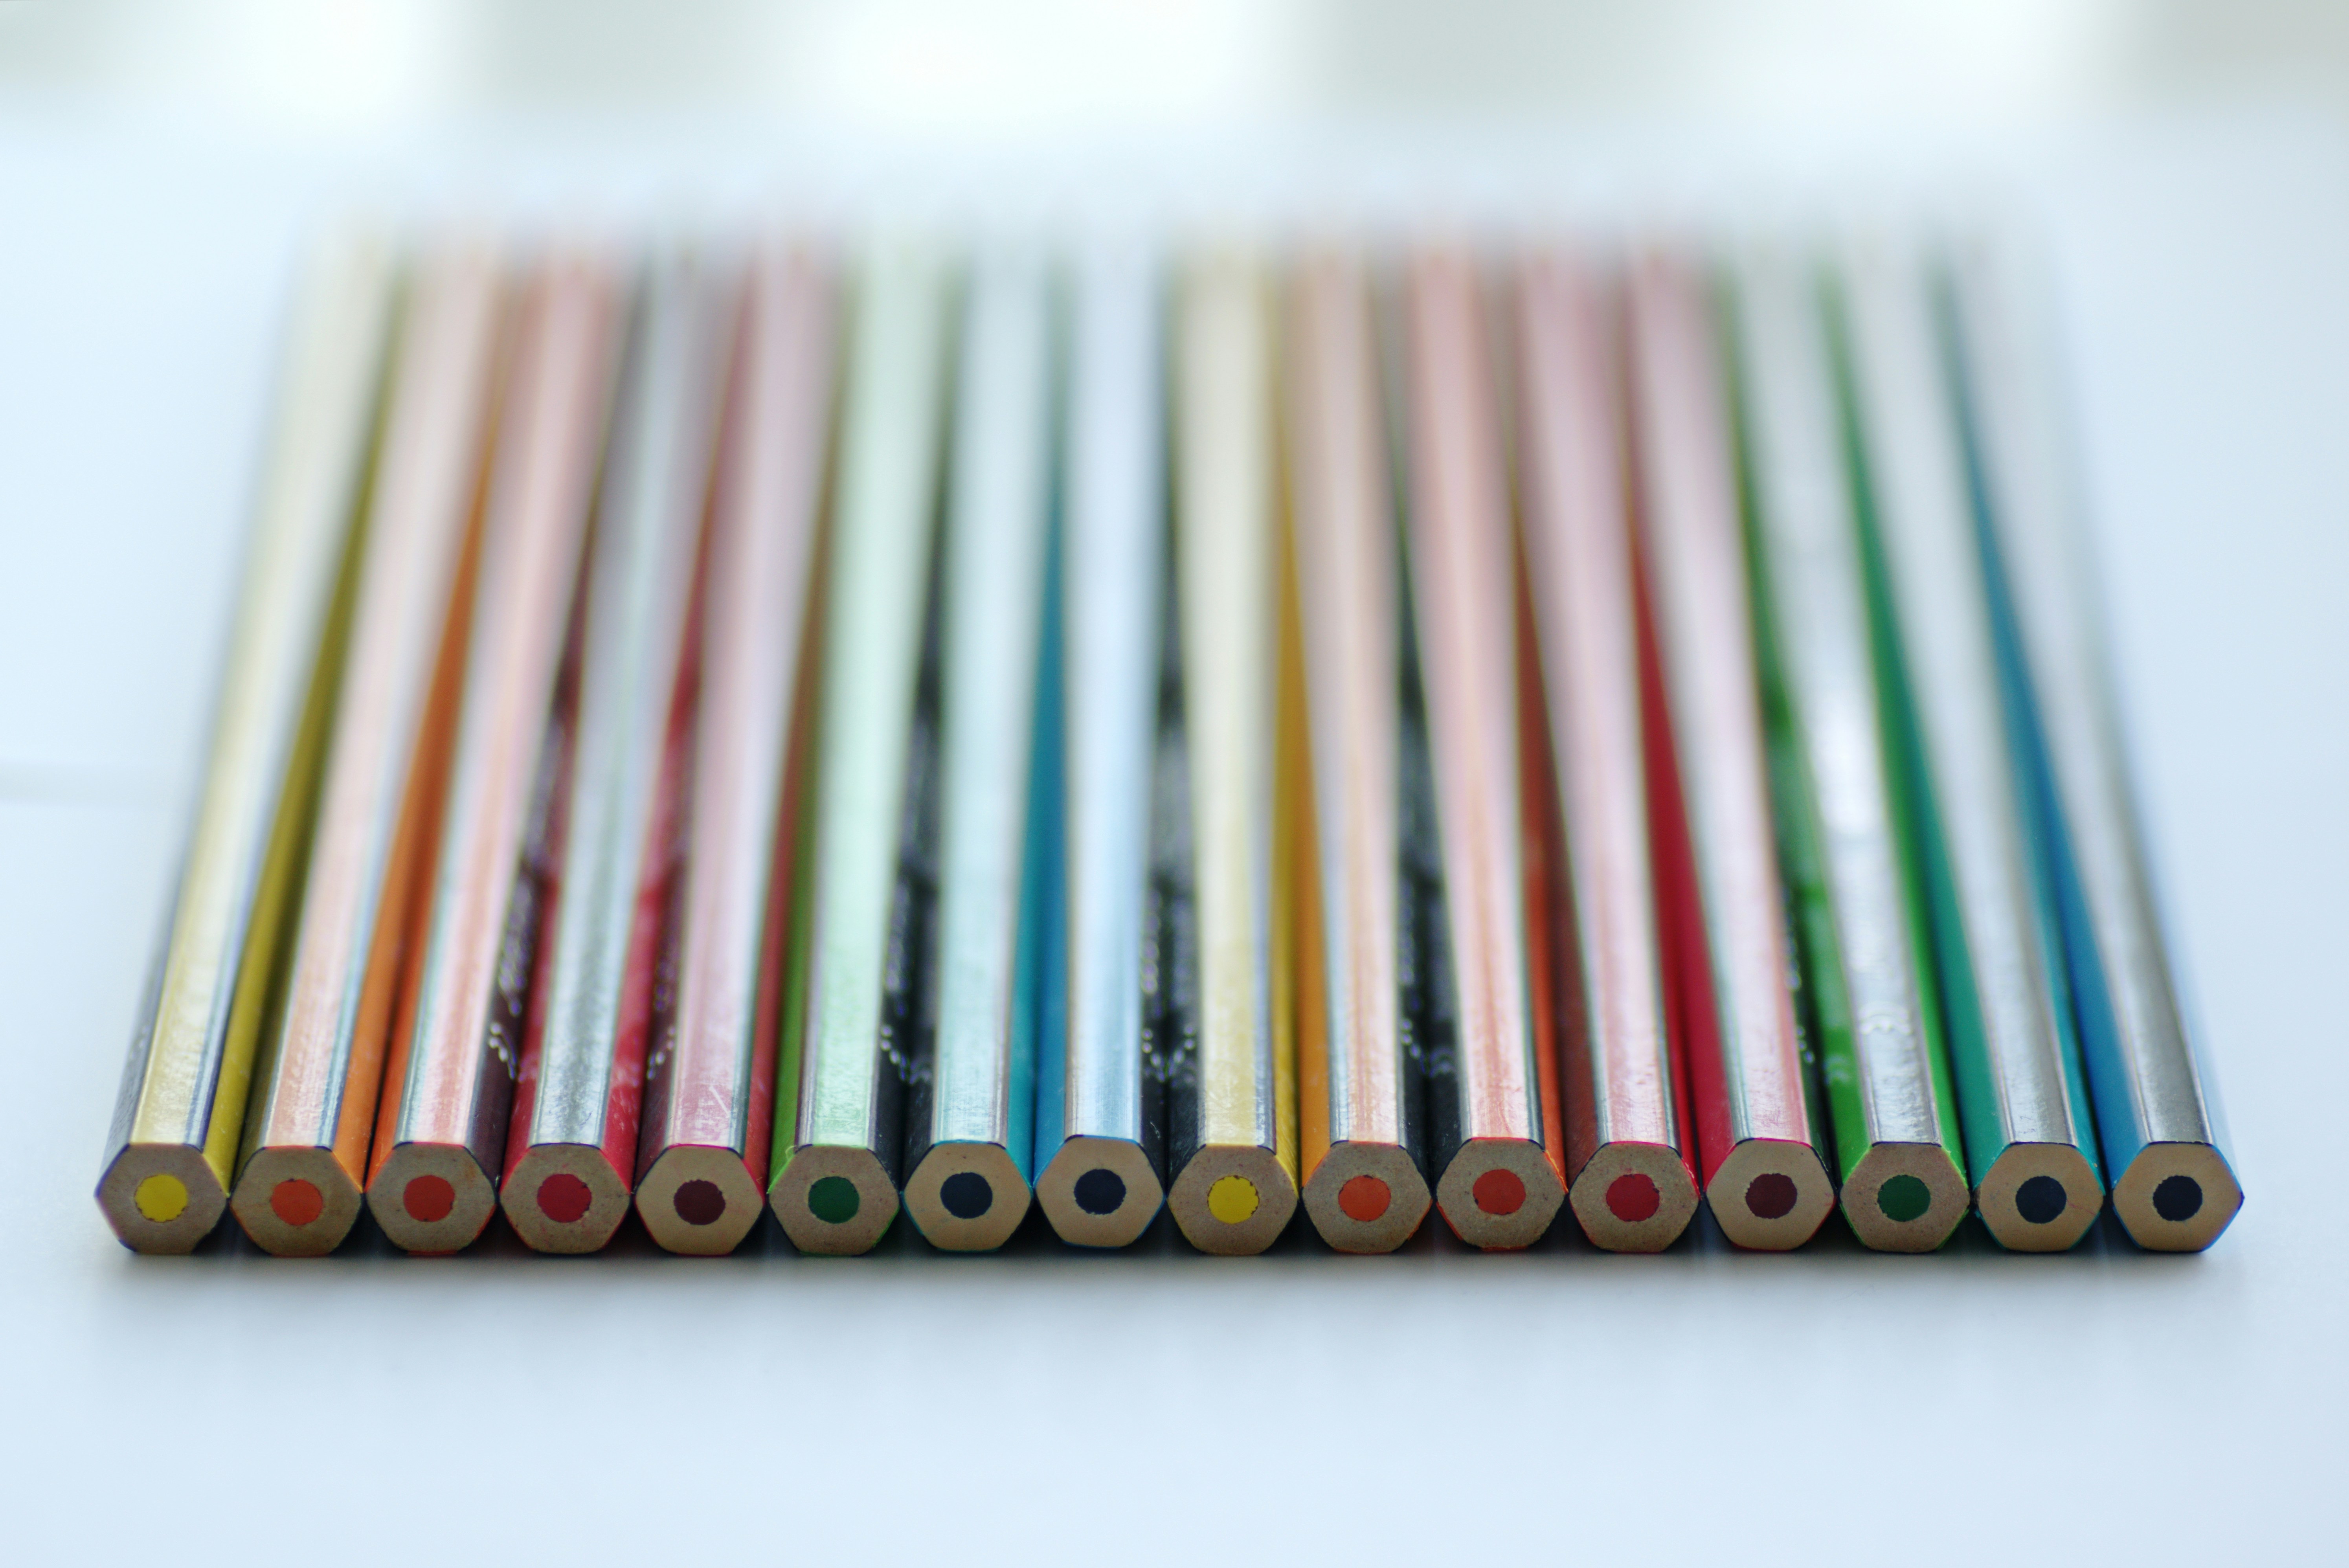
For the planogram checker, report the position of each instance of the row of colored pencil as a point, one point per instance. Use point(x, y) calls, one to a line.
point(725, 734)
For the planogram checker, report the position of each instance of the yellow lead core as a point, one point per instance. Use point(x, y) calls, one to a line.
point(1232, 1199)
point(164, 1198)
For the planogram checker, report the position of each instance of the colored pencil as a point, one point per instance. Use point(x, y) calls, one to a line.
point(1361, 1101)
point(2022, 1099)
point(441, 1132)
point(1232, 1106)
point(1727, 945)
point(970, 1114)
point(1101, 1111)
point(709, 1083)
point(301, 1185)
point(847, 1047)
point(181, 1113)
point(1500, 1178)
point(1866, 976)
point(2175, 1190)
point(571, 1149)
point(1632, 1186)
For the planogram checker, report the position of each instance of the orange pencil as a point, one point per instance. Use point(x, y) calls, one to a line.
point(299, 1192)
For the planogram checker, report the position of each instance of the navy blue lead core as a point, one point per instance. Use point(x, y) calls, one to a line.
point(2040, 1199)
point(1100, 1192)
point(2178, 1199)
point(967, 1194)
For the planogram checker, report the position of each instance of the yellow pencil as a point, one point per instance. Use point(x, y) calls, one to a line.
point(181, 1111)
point(1232, 1091)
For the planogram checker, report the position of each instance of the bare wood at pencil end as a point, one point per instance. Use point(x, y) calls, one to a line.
point(1633, 1197)
point(834, 1220)
point(1500, 1194)
point(161, 1198)
point(1366, 1196)
point(296, 1202)
point(2177, 1197)
point(432, 1198)
point(698, 1200)
point(1770, 1194)
point(565, 1198)
point(1871, 1211)
point(2027, 1216)
point(1098, 1192)
point(1233, 1200)
point(966, 1197)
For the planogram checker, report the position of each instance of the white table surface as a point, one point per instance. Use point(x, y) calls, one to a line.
point(1435, 1407)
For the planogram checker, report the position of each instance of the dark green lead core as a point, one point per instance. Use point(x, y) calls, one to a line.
point(1903, 1198)
point(834, 1200)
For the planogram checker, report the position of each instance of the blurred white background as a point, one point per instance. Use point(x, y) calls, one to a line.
point(1017, 68)
point(2188, 163)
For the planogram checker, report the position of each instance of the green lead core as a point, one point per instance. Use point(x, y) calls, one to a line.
point(834, 1200)
point(1902, 1199)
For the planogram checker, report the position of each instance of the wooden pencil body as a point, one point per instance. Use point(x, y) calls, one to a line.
point(1501, 1173)
point(969, 1117)
point(709, 1081)
point(2022, 1097)
point(1361, 1099)
point(180, 1114)
point(1100, 1089)
point(847, 1047)
point(303, 1176)
point(1758, 1134)
point(2173, 1186)
point(1633, 1185)
point(1867, 982)
point(439, 1140)
point(1232, 1101)
point(571, 1150)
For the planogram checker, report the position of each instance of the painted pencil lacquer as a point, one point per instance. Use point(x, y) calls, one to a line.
point(2173, 1187)
point(1633, 1184)
point(1360, 1096)
point(570, 1150)
point(1232, 1114)
point(710, 1080)
point(1500, 1172)
point(181, 1114)
point(440, 1134)
point(1866, 960)
point(300, 1183)
point(1727, 947)
point(2022, 1099)
point(848, 1041)
point(969, 1116)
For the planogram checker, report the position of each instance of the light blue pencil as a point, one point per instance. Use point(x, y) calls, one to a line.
point(969, 1115)
point(1100, 1114)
